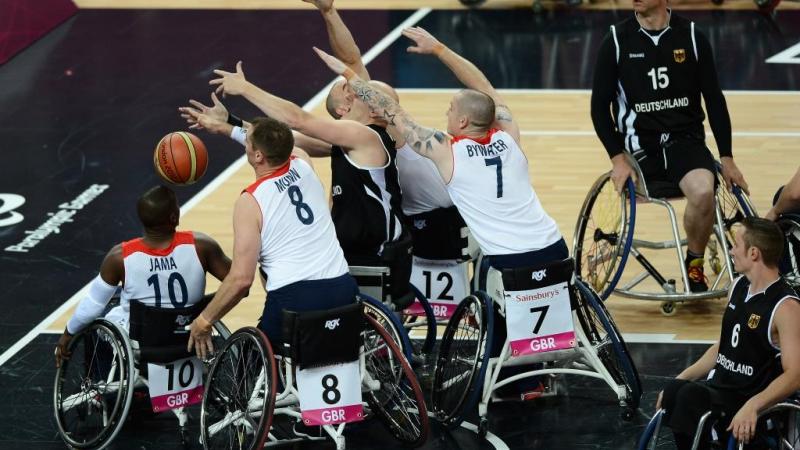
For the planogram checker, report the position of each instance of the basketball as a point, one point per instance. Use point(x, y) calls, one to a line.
point(180, 158)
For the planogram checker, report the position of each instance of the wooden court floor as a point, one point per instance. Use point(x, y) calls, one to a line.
point(565, 158)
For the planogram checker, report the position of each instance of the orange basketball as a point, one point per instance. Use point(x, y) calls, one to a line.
point(180, 158)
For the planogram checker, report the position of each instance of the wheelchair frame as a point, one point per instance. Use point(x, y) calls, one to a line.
point(669, 294)
point(790, 225)
point(132, 380)
point(286, 402)
point(585, 357)
point(653, 428)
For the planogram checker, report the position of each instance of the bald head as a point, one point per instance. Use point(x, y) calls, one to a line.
point(337, 99)
point(476, 106)
point(386, 89)
point(158, 208)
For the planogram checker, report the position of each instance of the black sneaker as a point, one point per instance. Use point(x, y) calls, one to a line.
point(697, 279)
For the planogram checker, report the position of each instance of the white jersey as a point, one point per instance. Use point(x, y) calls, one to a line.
point(491, 188)
point(422, 186)
point(298, 240)
point(172, 277)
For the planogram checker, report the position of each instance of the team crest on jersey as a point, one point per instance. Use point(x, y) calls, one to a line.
point(752, 322)
point(679, 54)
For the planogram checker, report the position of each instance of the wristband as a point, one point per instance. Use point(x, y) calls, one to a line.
point(234, 120)
point(239, 135)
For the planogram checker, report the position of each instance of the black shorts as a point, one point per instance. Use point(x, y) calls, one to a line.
point(670, 161)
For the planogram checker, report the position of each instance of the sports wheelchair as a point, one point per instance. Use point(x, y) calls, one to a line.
point(94, 388)
point(576, 337)
point(390, 285)
point(254, 396)
point(604, 238)
point(778, 428)
point(790, 265)
point(440, 257)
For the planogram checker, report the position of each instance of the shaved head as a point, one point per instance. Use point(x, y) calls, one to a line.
point(386, 89)
point(337, 98)
point(476, 106)
point(158, 207)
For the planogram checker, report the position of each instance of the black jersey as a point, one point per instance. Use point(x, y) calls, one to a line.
point(748, 360)
point(654, 81)
point(366, 204)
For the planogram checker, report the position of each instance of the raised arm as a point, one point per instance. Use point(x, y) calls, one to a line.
point(344, 133)
point(466, 72)
point(788, 200)
point(428, 142)
point(341, 41)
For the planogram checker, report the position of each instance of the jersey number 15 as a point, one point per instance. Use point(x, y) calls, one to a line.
point(659, 78)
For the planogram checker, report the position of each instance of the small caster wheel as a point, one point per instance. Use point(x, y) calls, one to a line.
point(483, 428)
point(668, 308)
point(626, 414)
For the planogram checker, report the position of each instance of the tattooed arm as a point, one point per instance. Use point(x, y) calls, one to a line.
point(428, 142)
point(466, 72)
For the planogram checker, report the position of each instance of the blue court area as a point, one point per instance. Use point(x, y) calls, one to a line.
point(83, 107)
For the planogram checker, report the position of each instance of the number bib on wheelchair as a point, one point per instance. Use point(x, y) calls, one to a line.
point(539, 320)
point(330, 394)
point(177, 384)
point(444, 283)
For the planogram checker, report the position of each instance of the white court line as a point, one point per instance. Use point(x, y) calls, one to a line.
point(567, 91)
point(216, 182)
point(491, 438)
point(741, 134)
point(655, 338)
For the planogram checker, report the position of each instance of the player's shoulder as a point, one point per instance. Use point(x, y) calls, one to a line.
point(680, 23)
point(626, 27)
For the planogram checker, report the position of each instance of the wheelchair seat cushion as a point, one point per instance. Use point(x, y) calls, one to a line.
point(437, 234)
point(159, 331)
point(663, 189)
point(321, 338)
point(533, 277)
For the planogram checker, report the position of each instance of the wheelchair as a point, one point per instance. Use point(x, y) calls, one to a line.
point(790, 265)
point(389, 284)
point(604, 239)
point(778, 428)
point(255, 397)
point(94, 388)
point(468, 366)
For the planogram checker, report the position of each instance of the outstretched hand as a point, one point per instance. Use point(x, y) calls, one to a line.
point(426, 44)
point(212, 118)
point(322, 5)
point(230, 83)
point(332, 62)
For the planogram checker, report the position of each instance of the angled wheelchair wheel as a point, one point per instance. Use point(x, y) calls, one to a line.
point(390, 321)
point(398, 401)
point(655, 436)
point(608, 344)
point(778, 428)
point(604, 234)
point(790, 263)
point(240, 393)
point(426, 324)
point(463, 359)
point(93, 389)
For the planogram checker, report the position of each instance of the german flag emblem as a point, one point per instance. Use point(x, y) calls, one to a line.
point(752, 322)
point(679, 54)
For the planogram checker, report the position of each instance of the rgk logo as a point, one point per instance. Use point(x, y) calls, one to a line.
point(182, 320)
point(539, 275)
point(8, 203)
point(332, 324)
